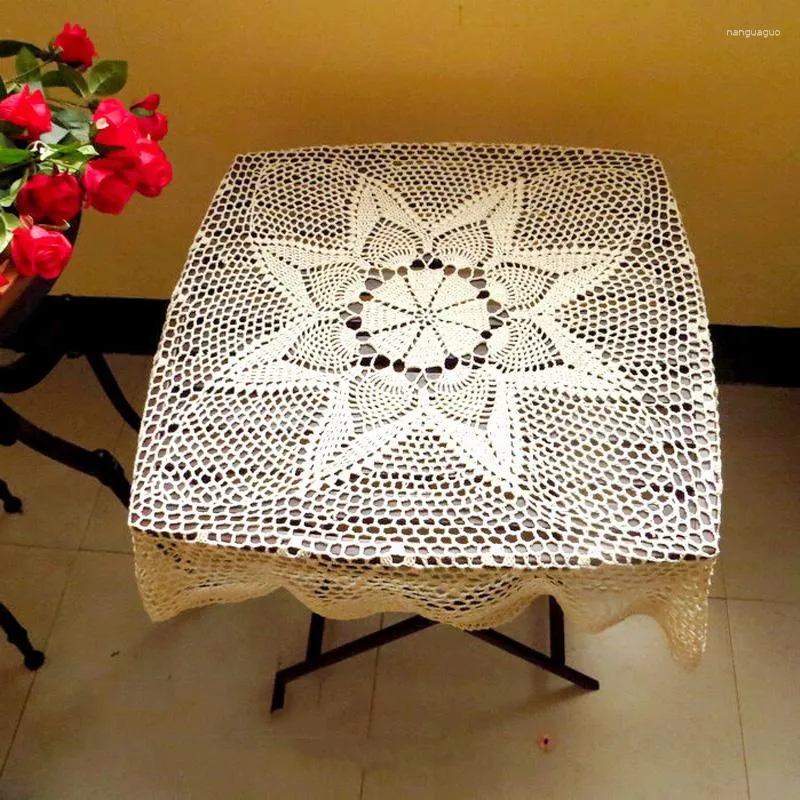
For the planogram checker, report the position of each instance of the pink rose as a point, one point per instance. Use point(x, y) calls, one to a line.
point(155, 126)
point(155, 171)
point(109, 185)
point(118, 130)
point(50, 198)
point(37, 251)
point(75, 47)
point(149, 103)
point(28, 110)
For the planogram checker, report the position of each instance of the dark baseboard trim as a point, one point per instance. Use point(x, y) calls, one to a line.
point(129, 325)
point(742, 354)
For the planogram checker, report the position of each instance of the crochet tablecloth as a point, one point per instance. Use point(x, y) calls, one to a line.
point(438, 378)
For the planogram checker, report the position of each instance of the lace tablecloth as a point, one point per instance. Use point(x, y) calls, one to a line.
point(436, 378)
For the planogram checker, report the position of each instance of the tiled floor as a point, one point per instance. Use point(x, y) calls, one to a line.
point(127, 709)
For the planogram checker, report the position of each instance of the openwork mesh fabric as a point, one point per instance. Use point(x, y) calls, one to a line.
point(436, 378)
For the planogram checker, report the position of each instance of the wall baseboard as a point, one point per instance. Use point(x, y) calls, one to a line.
point(742, 354)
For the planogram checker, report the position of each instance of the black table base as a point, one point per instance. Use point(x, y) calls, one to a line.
point(316, 659)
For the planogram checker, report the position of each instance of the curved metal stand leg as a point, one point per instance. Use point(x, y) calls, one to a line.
point(11, 503)
point(108, 383)
point(18, 636)
point(99, 464)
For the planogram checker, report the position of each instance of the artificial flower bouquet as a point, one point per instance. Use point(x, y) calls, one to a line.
point(65, 145)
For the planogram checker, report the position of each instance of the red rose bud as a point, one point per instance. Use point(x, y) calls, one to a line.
point(37, 251)
point(28, 110)
point(75, 47)
point(50, 198)
point(108, 186)
point(155, 127)
point(150, 103)
point(118, 130)
point(155, 171)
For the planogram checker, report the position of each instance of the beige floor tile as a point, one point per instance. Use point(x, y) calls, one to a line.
point(107, 528)
point(57, 501)
point(761, 499)
point(179, 709)
point(766, 651)
point(32, 580)
point(453, 718)
point(337, 698)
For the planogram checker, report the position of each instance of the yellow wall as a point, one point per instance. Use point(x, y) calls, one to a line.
point(659, 77)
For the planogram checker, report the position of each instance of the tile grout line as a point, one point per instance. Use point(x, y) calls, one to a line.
point(738, 699)
point(45, 646)
point(374, 683)
point(363, 783)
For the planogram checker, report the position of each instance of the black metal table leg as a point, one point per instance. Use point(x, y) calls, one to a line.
point(316, 631)
point(315, 659)
point(557, 644)
point(532, 656)
point(369, 642)
point(18, 636)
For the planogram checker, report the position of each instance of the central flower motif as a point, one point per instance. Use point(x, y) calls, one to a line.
point(424, 318)
point(412, 333)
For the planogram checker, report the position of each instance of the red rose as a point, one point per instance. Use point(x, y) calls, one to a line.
point(37, 251)
point(28, 110)
point(118, 129)
point(50, 198)
point(155, 127)
point(75, 47)
point(155, 171)
point(150, 103)
point(108, 186)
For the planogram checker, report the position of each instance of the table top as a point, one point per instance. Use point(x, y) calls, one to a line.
point(437, 356)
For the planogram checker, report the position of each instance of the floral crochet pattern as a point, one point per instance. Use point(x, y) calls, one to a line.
point(444, 358)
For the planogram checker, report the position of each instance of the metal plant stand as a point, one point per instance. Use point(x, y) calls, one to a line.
point(22, 374)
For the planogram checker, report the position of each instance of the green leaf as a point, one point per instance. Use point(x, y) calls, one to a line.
point(13, 155)
point(9, 194)
point(28, 68)
point(8, 222)
point(72, 117)
point(5, 238)
point(68, 77)
point(107, 77)
point(54, 135)
point(10, 47)
point(3, 90)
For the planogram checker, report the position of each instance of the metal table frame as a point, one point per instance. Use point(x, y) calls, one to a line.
point(316, 659)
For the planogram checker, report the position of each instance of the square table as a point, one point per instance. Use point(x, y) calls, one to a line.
point(439, 378)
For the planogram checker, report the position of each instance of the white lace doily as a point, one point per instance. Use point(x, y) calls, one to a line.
point(436, 378)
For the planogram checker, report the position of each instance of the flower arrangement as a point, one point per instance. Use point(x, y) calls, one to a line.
point(67, 144)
